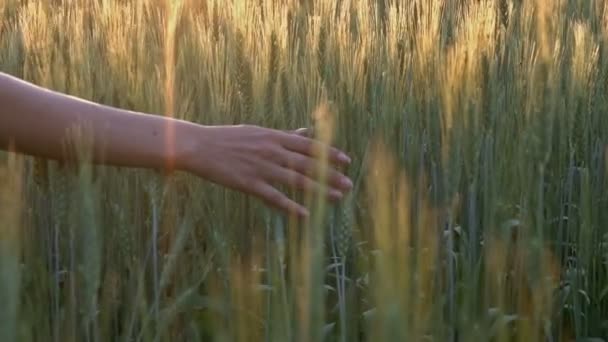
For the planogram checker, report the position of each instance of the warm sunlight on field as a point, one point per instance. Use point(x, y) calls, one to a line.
point(478, 132)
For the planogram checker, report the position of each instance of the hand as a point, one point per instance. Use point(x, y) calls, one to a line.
point(253, 159)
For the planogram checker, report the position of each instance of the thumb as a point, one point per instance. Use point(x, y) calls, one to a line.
point(305, 132)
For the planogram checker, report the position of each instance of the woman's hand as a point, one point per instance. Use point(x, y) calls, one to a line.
point(254, 160)
point(250, 159)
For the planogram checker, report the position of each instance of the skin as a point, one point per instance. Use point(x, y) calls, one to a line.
point(250, 159)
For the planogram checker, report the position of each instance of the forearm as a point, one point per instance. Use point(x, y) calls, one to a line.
point(37, 121)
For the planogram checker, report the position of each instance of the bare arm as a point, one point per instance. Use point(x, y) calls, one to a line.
point(35, 121)
point(250, 159)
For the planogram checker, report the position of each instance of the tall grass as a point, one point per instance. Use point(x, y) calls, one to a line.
point(478, 131)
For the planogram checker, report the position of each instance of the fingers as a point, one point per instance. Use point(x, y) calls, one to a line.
point(312, 148)
point(297, 165)
point(273, 197)
point(310, 167)
point(299, 181)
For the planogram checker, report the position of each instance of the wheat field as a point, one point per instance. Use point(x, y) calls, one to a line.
point(478, 132)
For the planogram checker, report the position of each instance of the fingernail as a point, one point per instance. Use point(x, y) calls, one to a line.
point(347, 183)
point(304, 213)
point(344, 158)
point(336, 194)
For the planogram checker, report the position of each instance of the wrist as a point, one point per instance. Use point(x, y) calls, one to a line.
point(191, 146)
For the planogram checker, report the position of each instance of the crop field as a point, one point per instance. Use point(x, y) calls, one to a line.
point(478, 132)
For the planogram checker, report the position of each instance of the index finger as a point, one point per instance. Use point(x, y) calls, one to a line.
point(313, 148)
